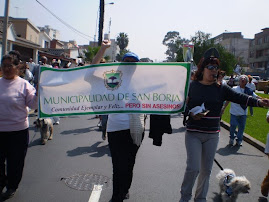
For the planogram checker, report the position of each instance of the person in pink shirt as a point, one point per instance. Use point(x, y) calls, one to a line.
point(16, 94)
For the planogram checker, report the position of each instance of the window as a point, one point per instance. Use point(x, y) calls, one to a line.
point(259, 41)
point(266, 39)
point(251, 54)
point(259, 53)
point(46, 44)
point(266, 52)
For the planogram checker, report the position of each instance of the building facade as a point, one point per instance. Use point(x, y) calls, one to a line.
point(23, 36)
point(236, 44)
point(259, 53)
point(44, 40)
point(53, 33)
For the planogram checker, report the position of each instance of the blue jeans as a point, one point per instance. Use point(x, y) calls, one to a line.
point(104, 123)
point(251, 111)
point(240, 122)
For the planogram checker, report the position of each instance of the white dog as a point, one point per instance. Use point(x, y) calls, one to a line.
point(46, 129)
point(232, 185)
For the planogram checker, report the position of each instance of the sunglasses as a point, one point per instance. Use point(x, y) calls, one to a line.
point(211, 67)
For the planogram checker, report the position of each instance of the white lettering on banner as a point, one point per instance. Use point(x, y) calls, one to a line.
point(152, 88)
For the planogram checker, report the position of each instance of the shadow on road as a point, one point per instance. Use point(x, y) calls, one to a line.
point(93, 150)
point(262, 199)
point(179, 130)
point(217, 197)
point(79, 130)
point(228, 150)
point(35, 143)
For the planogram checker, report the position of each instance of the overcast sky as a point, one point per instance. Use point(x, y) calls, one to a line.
point(146, 21)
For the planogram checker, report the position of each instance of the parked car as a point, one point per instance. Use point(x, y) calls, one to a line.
point(256, 77)
point(236, 81)
point(255, 80)
point(226, 78)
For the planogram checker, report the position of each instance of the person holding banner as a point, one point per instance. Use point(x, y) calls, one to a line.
point(122, 145)
point(16, 94)
point(103, 118)
point(205, 101)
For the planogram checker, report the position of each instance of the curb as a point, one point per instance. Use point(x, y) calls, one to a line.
point(247, 138)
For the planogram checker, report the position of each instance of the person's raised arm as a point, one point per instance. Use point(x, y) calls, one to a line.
point(100, 53)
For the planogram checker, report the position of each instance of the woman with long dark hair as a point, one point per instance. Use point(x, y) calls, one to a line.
point(202, 134)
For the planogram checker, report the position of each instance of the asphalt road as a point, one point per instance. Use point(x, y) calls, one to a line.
point(64, 168)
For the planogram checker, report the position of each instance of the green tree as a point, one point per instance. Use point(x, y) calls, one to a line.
point(121, 54)
point(174, 44)
point(122, 42)
point(89, 55)
point(107, 57)
point(227, 59)
point(171, 40)
point(202, 42)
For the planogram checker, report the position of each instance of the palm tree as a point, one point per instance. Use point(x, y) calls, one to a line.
point(122, 40)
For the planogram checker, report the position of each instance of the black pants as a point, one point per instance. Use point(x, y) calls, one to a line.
point(13, 149)
point(123, 153)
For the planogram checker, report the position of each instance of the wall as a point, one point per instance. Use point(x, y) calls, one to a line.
point(32, 34)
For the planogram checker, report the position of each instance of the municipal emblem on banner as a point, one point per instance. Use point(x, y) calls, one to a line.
point(112, 79)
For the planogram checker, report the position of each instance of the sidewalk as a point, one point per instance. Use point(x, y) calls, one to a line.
point(247, 138)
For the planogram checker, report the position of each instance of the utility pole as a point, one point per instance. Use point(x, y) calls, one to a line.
point(5, 26)
point(101, 21)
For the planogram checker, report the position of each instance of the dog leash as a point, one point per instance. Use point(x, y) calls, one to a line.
point(218, 164)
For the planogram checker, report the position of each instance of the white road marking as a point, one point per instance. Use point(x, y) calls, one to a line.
point(96, 193)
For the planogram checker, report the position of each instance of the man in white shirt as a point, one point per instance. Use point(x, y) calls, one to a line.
point(31, 65)
point(252, 86)
point(239, 112)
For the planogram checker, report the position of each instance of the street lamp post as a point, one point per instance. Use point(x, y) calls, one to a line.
point(101, 20)
point(5, 26)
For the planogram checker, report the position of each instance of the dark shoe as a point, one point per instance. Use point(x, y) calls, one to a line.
point(103, 135)
point(127, 196)
point(1, 189)
point(239, 144)
point(9, 193)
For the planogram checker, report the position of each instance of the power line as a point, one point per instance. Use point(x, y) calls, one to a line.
point(66, 24)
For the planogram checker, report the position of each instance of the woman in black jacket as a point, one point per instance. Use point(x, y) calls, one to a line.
point(202, 134)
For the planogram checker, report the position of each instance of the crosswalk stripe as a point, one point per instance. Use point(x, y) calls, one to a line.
point(96, 193)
